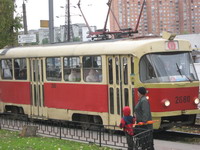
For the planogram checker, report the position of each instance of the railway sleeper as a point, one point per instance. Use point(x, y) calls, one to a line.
point(169, 122)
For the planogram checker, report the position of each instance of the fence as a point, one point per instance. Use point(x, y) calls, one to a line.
point(143, 140)
point(90, 133)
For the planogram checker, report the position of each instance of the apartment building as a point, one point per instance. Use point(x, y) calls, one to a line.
point(176, 16)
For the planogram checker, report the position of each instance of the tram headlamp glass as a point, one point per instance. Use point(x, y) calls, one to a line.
point(166, 102)
point(196, 101)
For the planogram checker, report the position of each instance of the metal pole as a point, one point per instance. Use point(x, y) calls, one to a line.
point(136, 27)
point(24, 19)
point(60, 128)
point(68, 33)
point(88, 26)
point(109, 5)
point(100, 136)
point(51, 22)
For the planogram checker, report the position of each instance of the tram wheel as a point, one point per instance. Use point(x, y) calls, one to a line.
point(85, 122)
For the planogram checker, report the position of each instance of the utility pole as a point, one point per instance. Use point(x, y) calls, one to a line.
point(68, 35)
point(24, 18)
point(51, 22)
point(67, 21)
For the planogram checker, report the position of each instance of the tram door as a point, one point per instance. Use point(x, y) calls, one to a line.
point(120, 86)
point(37, 86)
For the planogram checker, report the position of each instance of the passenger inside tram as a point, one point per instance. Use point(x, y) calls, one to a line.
point(92, 76)
point(72, 77)
point(22, 74)
point(17, 72)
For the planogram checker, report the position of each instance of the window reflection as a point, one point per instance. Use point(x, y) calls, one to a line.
point(20, 69)
point(6, 69)
point(53, 69)
point(167, 67)
point(92, 68)
point(72, 71)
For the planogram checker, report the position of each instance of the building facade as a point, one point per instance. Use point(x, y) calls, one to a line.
point(176, 16)
point(79, 33)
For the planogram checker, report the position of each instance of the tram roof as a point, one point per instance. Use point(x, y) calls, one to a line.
point(137, 48)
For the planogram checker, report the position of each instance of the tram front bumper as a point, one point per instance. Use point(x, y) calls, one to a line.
point(159, 115)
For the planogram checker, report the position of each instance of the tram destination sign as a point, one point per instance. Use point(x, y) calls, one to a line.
point(27, 38)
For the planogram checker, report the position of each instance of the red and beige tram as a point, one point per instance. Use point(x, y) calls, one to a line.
point(93, 81)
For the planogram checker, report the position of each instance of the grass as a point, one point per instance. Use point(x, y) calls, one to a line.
point(10, 140)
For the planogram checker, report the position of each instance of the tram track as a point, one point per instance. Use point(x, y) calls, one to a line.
point(178, 136)
point(193, 129)
point(184, 134)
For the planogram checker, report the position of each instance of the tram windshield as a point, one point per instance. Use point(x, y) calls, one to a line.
point(167, 67)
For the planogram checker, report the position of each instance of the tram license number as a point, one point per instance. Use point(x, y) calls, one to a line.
point(182, 99)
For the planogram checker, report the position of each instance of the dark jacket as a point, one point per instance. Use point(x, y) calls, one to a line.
point(127, 121)
point(142, 111)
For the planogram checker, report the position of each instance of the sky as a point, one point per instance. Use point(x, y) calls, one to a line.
point(95, 12)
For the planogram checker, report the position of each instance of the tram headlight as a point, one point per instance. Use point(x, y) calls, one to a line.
point(166, 102)
point(196, 101)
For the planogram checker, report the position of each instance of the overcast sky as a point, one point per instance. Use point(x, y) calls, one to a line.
point(95, 12)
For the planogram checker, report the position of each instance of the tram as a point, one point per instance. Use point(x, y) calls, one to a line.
point(93, 81)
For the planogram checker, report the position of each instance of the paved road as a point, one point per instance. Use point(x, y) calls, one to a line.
point(167, 145)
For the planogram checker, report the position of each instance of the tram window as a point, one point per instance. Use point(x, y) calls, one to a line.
point(126, 100)
point(53, 69)
point(6, 69)
point(20, 70)
point(117, 69)
point(42, 70)
point(72, 71)
point(125, 70)
point(110, 66)
point(35, 97)
point(146, 70)
point(111, 101)
point(167, 67)
point(92, 68)
point(133, 99)
point(118, 102)
point(132, 68)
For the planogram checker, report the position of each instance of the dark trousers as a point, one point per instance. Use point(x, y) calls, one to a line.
point(144, 137)
point(129, 139)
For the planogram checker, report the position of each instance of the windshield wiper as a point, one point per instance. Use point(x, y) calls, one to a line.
point(179, 71)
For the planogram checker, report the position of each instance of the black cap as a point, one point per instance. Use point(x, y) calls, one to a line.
point(142, 90)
